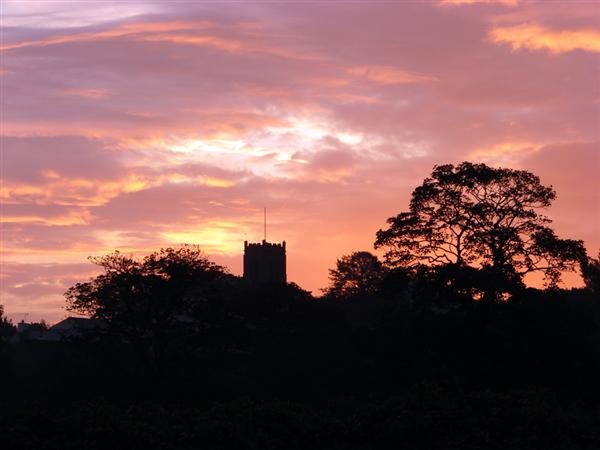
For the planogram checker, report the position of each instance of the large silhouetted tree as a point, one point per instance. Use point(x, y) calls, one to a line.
point(473, 215)
point(356, 275)
point(147, 301)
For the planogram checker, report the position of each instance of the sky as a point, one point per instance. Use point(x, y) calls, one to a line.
point(136, 125)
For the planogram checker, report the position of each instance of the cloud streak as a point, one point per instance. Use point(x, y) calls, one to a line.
point(472, 2)
point(388, 75)
point(535, 37)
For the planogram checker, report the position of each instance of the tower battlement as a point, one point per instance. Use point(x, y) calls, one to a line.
point(263, 244)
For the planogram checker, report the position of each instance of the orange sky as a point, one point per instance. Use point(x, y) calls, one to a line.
point(135, 125)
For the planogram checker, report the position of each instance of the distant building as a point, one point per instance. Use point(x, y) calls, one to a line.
point(74, 327)
point(29, 332)
point(264, 263)
point(69, 328)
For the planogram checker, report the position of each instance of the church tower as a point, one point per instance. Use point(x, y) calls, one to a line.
point(264, 263)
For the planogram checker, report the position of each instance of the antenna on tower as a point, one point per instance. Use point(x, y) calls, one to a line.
point(265, 223)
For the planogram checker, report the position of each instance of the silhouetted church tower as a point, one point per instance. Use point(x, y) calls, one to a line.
point(264, 263)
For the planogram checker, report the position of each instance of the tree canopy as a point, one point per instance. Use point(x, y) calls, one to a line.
point(473, 215)
point(147, 300)
point(356, 275)
point(7, 329)
point(590, 269)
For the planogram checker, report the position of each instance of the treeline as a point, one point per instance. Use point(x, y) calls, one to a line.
point(282, 342)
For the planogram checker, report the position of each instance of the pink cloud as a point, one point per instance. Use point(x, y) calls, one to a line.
point(535, 37)
point(471, 2)
point(388, 75)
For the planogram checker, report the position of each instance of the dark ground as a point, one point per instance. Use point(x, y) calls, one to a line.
point(306, 374)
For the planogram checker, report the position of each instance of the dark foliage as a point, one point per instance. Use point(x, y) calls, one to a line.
point(150, 303)
point(7, 329)
point(356, 275)
point(428, 417)
point(590, 269)
point(476, 216)
point(274, 368)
